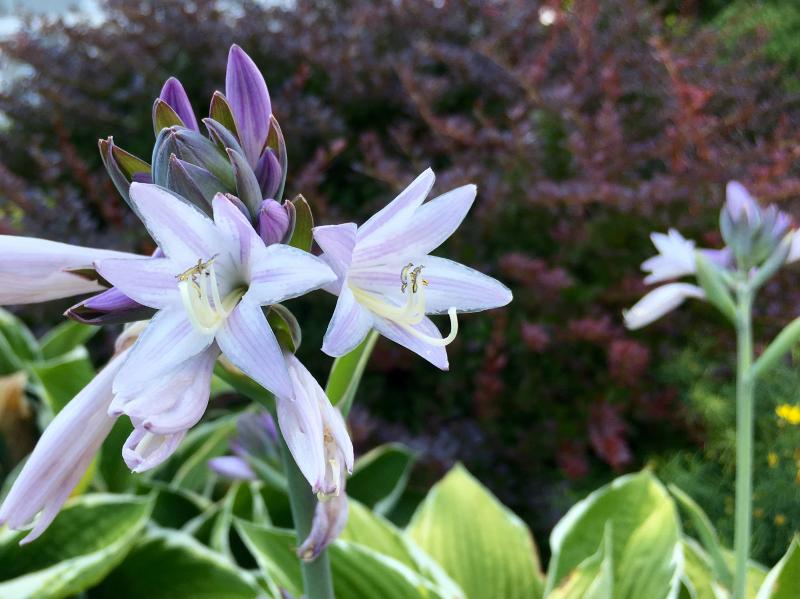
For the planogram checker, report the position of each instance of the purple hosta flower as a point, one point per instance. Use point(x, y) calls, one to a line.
point(256, 438)
point(62, 455)
point(109, 307)
point(659, 302)
point(753, 233)
point(387, 280)
point(314, 431)
point(246, 92)
point(330, 518)
point(274, 221)
point(208, 290)
point(38, 270)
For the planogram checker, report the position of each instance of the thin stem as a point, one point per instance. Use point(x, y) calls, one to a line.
point(317, 580)
point(744, 439)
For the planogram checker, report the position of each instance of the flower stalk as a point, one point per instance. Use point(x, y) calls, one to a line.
point(317, 579)
point(744, 437)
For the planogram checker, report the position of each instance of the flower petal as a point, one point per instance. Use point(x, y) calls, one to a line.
point(33, 270)
point(167, 342)
point(330, 518)
point(279, 272)
point(450, 284)
point(401, 208)
point(182, 231)
point(301, 427)
point(337, 242)
point(349, 325)
point(144, 450)
point(247, 340)
point(429, 226)
point(149, 281)
point(62, 454)
point(658, 302)
point(246, 92)
point(175, 96)
point(436, 355)
point(233, 225)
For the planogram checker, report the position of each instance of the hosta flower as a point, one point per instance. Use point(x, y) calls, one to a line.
point(314, 431)
point(38, 270)
point(208, 289)
point(62, 456)
point(387, 279)
point(256, 438)
point(659, 302)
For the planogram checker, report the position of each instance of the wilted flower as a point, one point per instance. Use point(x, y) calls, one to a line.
point(388, 280)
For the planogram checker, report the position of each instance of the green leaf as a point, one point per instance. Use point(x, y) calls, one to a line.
point(19, 337)
point(710, 279)
point(302, 235)
point(62, 378)
point(783, 581)
point(646, 537)
point(66, 337)
point(779, 347)
point(705, 530)
point(698, 575)
point(245, 385)
point(358, 571)
point(346, 374)
point(167, 564)
point(221, 112)
point(485, 548)
point(594, 576)
point(85, 542)
point(380, 476)
point(202, 443)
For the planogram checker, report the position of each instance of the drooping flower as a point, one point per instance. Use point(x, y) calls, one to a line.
point(62, 455)
point(387, 279)
point(208, 290)
point(37, 270)
point(330, 518)
point(314, 431)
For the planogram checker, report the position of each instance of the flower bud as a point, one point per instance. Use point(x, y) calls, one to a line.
point(109, 307)
point(274, 222)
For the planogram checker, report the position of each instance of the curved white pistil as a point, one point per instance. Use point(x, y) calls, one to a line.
point(199, 291)
point(412, 312)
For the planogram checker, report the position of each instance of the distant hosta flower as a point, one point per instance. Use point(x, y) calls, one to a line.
point(387, 280)
point(752, 234)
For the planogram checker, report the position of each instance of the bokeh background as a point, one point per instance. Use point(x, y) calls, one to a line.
point(586, 124)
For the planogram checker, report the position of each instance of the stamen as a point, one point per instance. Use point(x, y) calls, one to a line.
point(204, 307)
point(413, 311)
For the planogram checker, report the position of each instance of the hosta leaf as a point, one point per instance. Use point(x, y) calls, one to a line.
point(85, 542)
point(594, 576)
point(65, 337)
point(168, 564)
point(646, 537)
point(698, 575)
point(62, 378)
point(485, 548)
point(358, 571)
point(783, 581)
point(381, 475)
point(346, 374)
point(19, 337)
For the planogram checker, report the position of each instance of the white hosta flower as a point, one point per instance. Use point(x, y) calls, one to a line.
point(208, 289)
point(315, 432)
point(387, 279)
point(659, 302)
point(38, 270)
point(675, 259)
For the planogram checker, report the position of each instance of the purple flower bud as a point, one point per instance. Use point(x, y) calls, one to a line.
point(741, 206)
point(273, 222)
point(269, 174)
point(175, 96)
point(232, 467)
point(246, 92)
point(109, 307)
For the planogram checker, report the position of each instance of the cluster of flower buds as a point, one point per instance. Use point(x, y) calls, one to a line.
point(759, 240)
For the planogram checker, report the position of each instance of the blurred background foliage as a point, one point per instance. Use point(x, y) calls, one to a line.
point(586, 125)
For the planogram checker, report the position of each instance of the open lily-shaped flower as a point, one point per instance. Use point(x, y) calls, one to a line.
point(386, 278)
point(39, 270)
point(208, 289)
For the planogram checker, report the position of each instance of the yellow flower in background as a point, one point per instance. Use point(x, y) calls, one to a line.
point(772, 459)
point(780, 520)
point(790, 414)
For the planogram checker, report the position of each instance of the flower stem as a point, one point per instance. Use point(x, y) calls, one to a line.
point(744, 439)
point(317, 580)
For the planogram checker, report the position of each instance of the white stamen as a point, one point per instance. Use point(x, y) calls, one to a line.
point(413, 312)
point(199, 291)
